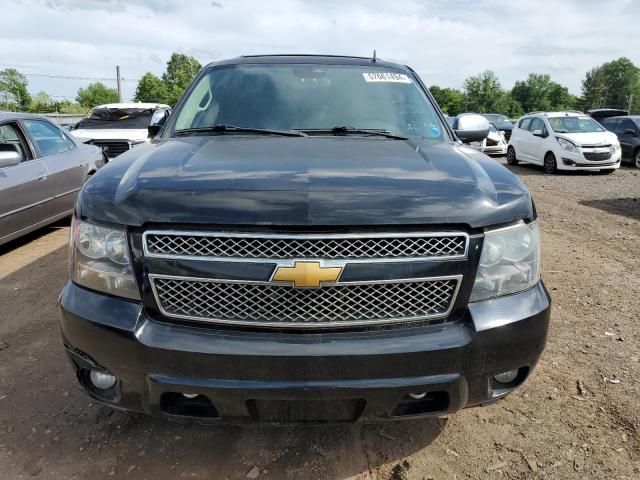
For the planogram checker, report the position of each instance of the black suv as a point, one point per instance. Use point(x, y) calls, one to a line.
point(305, 240)
point(627, 129)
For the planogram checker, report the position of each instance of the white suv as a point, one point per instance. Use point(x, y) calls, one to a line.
point(563, 141)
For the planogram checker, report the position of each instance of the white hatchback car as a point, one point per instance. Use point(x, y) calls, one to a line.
point(563, 141)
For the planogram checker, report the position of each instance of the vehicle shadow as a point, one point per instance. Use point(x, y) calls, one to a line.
point(625, 207)
point(32, 236)
point(528, 169)
point(55, 431)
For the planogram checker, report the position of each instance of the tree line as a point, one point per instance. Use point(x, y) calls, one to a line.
point(180, 70)
point(612, 84)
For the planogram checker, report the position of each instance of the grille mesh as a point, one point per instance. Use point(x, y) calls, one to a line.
point(597, 156)
point(113, 148)
point(287, 248)
point(257, 304)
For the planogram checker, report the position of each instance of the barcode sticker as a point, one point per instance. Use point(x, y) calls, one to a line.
point(386, 77)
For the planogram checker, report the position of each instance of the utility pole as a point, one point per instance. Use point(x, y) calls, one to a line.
point(119, 78)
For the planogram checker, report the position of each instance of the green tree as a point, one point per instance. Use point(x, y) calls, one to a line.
point(96, 94)
point(483, 93)
point(560, 97)
point(539, 92)
point(41, 102)
point(67, 106)
point(13, 88)
point(510, 106)
point(613, 84)
point(151, 89)
point(451, 100)
point(181, 69)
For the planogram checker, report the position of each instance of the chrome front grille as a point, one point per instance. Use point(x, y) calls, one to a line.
point(263, 304)
point(285, 247)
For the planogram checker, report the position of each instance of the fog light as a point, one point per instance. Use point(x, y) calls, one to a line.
point(418, 396)
point(189, 395)
point(101, 380)
point(506, 377)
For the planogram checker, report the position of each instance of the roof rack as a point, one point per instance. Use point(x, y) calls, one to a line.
point(539, 112)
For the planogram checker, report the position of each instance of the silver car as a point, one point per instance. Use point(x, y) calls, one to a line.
point(41, 172)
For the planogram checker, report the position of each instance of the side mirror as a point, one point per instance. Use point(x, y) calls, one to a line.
point(470, 127)
point(158, 119)
point(9, 158)
point(630, 131)
point(537, 133)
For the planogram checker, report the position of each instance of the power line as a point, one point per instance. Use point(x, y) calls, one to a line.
point(71, 77)
point(67, 77)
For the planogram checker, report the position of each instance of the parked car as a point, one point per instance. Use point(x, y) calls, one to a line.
point(41, 171)
point(118, 127)
point(455, 123)
point(305, 241)
point(501, 122)
point(563, 141)
point(599, 114)
point(495, 144)
point(628, 131)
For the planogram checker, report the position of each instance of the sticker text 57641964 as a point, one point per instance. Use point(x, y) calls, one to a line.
point(386, 77)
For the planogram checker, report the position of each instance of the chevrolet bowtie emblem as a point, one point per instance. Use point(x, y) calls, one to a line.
point(306, 274)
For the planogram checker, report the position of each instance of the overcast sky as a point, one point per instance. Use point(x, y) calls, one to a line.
point(445, 41)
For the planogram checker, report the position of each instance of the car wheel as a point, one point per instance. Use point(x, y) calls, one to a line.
point(511, 156)
point(550, 165)
point(636, 158)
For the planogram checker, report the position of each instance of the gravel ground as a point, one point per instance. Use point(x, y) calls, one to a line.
point(577, 417)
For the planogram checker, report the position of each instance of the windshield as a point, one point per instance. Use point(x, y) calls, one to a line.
point(498, 119)
point(308, 98)
point(574, 125)
point(117, 118)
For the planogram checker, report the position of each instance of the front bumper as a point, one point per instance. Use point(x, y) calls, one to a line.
point(248, 376)
point(500, 149)
point(577, 161)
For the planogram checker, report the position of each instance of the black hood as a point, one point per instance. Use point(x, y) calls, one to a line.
point(303, 181)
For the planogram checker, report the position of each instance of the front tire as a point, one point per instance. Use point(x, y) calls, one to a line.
point(511, 156)
point(550, 164)
point(636, 158)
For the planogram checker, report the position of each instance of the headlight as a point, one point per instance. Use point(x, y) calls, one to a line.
point(509, 263)
point(568, 145)
point(99, 260)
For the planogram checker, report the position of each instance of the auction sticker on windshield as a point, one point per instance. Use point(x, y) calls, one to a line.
point(386, 77)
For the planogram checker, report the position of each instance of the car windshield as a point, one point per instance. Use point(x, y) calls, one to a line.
point(574, 125)
point(310, 98)
point(498, 119)
point(117, 118)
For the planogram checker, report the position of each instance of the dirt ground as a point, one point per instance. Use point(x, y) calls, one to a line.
point(577, 417)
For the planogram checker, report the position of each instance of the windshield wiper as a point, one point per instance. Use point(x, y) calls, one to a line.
point(226, 128)
point(340, 130)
